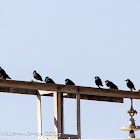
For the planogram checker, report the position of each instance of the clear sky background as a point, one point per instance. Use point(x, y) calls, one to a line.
point(76, 39)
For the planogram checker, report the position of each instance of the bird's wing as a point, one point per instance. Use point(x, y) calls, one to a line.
point(40, 78)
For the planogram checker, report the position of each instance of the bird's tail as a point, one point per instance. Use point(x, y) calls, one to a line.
point(7, 76)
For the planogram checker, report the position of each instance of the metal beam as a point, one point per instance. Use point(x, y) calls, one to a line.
point(78, 116)
point(69, 136)
point(101, 98)
point(22, 85)
point(57, 113)
point(85, 97)
point(100, 139)
point(73, 137)
point(50, 94)
point(19, 90)
point(62, 114)
point(39, 115)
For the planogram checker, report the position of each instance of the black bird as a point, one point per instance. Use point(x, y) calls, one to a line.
point(37, 76)
point(130, 84)
point(69, 82)
point(3, 74)
point(110, 84)
point(98, 81)
point(49, 80)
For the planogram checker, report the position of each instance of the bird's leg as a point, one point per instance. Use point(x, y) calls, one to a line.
point(99, 86)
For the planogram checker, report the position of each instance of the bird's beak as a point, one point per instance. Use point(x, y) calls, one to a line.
point(124, 80)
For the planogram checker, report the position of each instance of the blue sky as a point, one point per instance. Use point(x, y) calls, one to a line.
point(70, 39)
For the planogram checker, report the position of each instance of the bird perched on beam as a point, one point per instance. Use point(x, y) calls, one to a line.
point(37, 76)
point(3, 74)
point(98, 81)
point(69, 82)
point(130, 84)
point(110, 84)
point(49, 80)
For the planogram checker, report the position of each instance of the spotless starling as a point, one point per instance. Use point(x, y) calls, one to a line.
point(130, 84)
point(3, 74)
point(37, 76)
point(110, 84)
point(69, 82)
point(98, 81)
point(49, 80)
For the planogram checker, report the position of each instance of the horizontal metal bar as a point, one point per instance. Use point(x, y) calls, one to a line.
point(69, 136)
point(101, 98)
point(50, 93)
point(106, 139)
point(69, 89)
point(18, 90)
point(85, 97)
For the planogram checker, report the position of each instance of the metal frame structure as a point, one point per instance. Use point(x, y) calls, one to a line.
point(58, 92)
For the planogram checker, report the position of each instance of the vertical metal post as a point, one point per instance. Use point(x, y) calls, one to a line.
point(57, 114)
point(131, 102)
point(62, 114)
point(39, 115)
point(78, 116)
